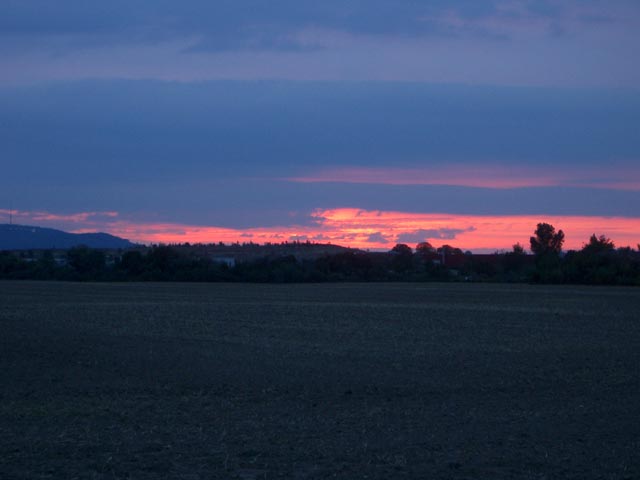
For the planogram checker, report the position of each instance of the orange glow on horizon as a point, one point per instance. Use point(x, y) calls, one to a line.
point(382, 229)
point(475, 232)
point(366, 229)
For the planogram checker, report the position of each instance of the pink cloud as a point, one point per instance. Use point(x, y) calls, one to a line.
point(361, 229)
point(484, 176)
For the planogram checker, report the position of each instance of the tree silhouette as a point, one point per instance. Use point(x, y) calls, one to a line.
point(449, 250)
point(547, 245)
point(85, 261)
point(133, 263)
point(515, 260)
point(402, 258)
point(402, 249)
point(425, 248)
point(518, 249)
point(598, 245)
point(546, 240)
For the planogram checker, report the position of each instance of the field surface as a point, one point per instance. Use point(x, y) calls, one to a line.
point(378, 381)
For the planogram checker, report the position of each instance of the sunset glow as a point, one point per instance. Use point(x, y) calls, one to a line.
point(320, 238)
point(357, 123)
point(365, 229)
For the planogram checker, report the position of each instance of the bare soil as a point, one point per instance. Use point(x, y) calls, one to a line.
point(378, 381)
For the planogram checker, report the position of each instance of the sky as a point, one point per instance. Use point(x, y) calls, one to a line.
point(360, 123)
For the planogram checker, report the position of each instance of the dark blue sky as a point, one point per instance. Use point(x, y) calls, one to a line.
point(247, 114)
point(525, 42)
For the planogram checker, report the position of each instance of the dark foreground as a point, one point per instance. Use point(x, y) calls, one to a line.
point(345, 381)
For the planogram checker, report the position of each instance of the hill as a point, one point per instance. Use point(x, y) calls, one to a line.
point(24, 237)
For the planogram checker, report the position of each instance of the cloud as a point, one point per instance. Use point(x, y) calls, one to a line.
point(505, 42)
point(377, 237)
point(623, 177)
point(140, 128)
point(432, 234)
point(358, 228)
point(320, 238)
point(219, 153)
point(39, 216)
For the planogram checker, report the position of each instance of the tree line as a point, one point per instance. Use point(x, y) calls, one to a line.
point(599, 262)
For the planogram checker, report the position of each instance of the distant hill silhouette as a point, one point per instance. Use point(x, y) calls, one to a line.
point(24, 237)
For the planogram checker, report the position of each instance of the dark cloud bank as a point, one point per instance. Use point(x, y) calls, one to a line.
point(216, 152)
